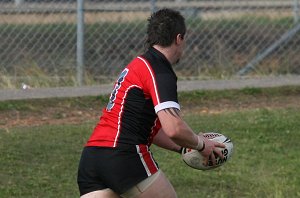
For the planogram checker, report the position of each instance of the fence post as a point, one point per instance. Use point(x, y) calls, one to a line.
point(296, 11)
point(19, 2)
point(80, 42)
point(153, 6)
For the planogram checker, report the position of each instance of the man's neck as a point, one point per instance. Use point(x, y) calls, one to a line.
point(166, 51)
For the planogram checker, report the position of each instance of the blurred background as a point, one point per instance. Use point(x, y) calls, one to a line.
point(62, 43)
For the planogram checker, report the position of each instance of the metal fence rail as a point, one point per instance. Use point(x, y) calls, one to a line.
point(46, 43)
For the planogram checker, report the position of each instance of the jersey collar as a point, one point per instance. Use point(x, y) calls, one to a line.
point(161, 56)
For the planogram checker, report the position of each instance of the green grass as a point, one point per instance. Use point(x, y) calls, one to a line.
point(264, 164)
point(42, 161)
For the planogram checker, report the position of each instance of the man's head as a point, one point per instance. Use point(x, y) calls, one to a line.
point(164, 27)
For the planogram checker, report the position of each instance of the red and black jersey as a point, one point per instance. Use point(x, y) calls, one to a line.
point(147, 85)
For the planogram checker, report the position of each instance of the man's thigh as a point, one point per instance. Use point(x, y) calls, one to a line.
point(157, 186)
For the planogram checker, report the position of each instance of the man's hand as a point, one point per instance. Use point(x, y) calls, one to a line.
point(211, 150)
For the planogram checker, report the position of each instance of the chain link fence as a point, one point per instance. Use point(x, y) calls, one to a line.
point(53, 43)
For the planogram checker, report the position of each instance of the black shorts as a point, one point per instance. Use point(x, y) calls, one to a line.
point(116, 168)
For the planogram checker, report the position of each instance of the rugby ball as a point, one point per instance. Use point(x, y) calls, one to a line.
point(194, 159)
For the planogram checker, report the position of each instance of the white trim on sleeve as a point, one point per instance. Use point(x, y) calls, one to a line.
point(166, 105)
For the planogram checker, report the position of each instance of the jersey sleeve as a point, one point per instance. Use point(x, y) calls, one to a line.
point(167, 92)
point(162, 88)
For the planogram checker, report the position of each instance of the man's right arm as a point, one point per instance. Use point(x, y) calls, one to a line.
point(179, 132)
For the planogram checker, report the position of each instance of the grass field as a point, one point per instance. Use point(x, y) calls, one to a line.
point(41, 161)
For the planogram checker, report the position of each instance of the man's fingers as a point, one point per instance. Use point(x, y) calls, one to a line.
point(215, 152)
point(220, 145)
point(219, 153)
point(213, 158)
point(205, 161)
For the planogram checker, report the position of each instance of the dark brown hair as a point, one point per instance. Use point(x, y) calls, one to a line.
point(163, 27)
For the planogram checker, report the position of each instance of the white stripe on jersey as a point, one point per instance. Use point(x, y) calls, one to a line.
point(121, 111)
point(148, 163)
point(143, 161)
point(166, 105)
point(154, 83)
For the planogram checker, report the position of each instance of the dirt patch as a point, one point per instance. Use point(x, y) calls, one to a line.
point(64, 114)
point(50, 116)
point(225, 105)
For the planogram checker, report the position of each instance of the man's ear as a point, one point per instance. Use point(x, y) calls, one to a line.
point(178, 39)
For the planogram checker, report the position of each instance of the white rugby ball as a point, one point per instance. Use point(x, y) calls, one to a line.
point(194, 159)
